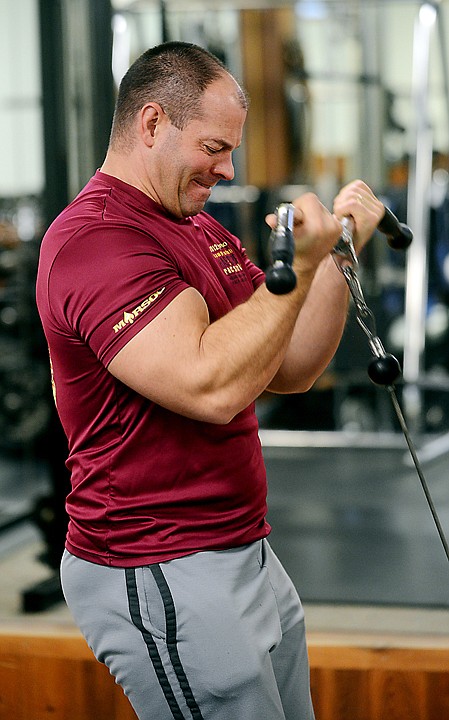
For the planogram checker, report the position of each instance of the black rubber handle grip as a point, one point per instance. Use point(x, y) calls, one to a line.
point(280, 278)
point(399, 236)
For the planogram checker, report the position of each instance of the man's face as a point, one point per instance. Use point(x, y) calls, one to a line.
point(186, 164)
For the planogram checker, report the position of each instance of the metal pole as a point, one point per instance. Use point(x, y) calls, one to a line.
point(444, 56)
point(56, 193)
point(372, 105)
point(418, 217)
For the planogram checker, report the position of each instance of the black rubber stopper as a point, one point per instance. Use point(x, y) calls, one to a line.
point(280, 280)
point(384, 370)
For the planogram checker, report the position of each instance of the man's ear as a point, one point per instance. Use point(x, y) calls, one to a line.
point(151, 116)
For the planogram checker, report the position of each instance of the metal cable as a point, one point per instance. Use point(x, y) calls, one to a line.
point(344, 259)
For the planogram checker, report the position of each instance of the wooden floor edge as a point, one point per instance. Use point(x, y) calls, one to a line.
point(378, 640)
point(65, 631)
point(38, 626)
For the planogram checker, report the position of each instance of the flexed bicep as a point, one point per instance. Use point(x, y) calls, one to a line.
point(162, 362)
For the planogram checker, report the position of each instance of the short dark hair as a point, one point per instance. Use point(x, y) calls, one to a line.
point(175, 75)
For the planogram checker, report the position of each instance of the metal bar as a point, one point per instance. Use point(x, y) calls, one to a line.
point(444, 56)
point(418, 216)
point(56, 193)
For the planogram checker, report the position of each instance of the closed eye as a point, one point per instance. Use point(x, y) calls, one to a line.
point(211, 150)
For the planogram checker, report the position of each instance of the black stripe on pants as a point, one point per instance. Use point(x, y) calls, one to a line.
point(171, 640)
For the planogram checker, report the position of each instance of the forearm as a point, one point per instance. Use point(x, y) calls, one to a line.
point(254, 337)
point(317, 331)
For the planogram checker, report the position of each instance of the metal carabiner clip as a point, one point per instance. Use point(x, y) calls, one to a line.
point(344, 253)
point(347, 262)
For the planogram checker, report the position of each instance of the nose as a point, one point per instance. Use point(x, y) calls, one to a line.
point(224, 167)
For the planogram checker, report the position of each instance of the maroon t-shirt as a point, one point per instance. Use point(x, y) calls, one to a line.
point(148, 485)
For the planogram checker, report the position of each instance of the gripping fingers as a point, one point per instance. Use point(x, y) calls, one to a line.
point(316, 233)
point(358, 201)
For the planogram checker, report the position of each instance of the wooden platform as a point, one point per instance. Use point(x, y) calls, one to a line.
point(48, 672)
point(364, 677)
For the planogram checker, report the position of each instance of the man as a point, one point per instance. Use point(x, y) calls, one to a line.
point(162, 334)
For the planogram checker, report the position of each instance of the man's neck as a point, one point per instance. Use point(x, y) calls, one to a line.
point(123, 168)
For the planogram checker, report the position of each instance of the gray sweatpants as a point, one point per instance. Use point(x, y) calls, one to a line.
point(211, 636)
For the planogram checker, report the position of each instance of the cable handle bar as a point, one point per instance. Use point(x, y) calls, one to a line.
point(281, 278)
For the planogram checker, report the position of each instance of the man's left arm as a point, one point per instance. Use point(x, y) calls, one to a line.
point(322, 318)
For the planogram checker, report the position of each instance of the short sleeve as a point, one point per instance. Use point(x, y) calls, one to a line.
point(106, 284)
